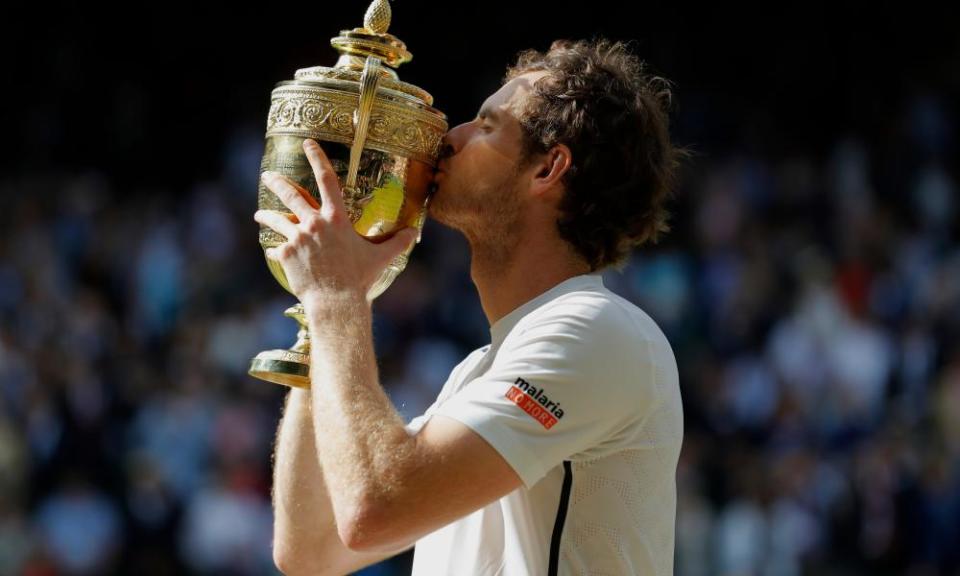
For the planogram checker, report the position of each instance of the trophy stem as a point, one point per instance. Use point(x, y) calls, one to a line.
point(302, 345)
point(289, 367)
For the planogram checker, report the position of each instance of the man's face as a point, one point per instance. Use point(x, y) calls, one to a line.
point(479, 183)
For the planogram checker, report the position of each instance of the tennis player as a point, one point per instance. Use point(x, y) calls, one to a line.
point(552, 449)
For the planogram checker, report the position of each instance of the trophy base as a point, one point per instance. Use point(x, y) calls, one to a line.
point(287, 367)
point(283, 367)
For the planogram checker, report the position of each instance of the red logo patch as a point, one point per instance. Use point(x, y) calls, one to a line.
point(531, 407)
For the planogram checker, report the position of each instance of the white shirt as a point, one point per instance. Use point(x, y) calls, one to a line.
point(578, 391)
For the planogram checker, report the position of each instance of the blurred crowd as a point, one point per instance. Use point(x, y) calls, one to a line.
point(812, 299)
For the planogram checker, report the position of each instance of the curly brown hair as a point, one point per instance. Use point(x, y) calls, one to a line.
point(599, 101)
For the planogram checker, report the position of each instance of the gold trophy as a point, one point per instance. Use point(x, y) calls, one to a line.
point(382, 136)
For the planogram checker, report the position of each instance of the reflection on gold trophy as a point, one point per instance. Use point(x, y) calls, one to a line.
point(382, 136)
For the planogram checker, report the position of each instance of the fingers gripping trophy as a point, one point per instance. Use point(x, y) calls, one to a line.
point(382, 137)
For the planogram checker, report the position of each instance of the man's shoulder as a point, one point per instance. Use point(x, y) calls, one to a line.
point(470, 360)
point(598, 334)
point(594, 313)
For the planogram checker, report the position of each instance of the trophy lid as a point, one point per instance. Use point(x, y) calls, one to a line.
point(356, 45)
point(360, 99)
point(372, 39)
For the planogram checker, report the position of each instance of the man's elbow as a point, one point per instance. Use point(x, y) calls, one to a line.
point(369, 528)
point(294, 559)
point(283, 559)
point(356, 532)
point(284, 555)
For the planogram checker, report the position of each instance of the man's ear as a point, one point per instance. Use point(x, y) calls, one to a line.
point(551, 168)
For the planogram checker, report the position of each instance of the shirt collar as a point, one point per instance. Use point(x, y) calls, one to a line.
point(503, 326)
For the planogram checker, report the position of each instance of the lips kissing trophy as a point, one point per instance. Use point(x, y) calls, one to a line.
point(382, 137)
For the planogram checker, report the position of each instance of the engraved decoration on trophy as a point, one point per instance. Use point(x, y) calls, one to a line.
point(382, 136)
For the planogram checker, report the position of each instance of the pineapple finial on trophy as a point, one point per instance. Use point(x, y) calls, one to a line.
point(372, 39)
point(377, 18)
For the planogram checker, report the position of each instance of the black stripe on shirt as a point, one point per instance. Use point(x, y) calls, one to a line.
point(561, 518)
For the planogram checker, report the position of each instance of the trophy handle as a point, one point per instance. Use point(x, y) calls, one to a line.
point(361, 119)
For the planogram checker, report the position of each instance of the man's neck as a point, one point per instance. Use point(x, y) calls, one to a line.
point(531, 270)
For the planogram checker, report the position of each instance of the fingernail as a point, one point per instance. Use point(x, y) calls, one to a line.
point(309, 144)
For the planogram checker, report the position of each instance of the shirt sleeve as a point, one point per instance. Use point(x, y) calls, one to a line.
point(413, 427)
point(571, 387)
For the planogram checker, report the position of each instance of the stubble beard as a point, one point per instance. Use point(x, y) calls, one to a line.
point(490, 218)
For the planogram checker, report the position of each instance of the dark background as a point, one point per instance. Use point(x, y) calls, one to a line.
point(158, 89)
point(810, 285)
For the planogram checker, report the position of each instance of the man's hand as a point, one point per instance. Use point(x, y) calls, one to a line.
point(324, 258)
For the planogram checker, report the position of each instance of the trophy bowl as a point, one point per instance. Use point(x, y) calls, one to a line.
point(382, 137)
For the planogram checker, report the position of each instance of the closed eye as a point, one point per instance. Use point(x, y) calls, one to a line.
point(484, 122)
point(487, 117)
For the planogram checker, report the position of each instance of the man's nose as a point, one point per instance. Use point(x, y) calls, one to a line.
point(453, 140)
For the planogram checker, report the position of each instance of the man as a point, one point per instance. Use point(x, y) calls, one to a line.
point(553, 449)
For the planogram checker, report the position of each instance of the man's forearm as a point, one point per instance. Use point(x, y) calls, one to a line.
point(304, 516)
point(306, 540)
point(365, 448)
